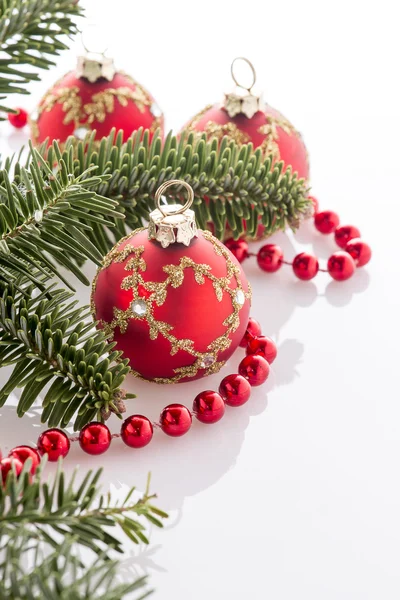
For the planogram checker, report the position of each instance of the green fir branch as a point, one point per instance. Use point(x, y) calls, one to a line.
point(31, 32)
point(55, 350)
point(44, 525)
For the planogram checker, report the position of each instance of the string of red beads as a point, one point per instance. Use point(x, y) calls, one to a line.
point(175, 419)
point(340, 266)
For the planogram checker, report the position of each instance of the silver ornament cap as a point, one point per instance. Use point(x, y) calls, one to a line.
point(243, 100)
point(94, 66)
point(173, 223)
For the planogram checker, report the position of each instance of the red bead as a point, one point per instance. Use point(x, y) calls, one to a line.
point(270, 257)
point(253, 329)
point(345, 233)
point(305, 266)
point(209, 407)
point(54, 443)
point(19, 119)
point(95, 438)
point(263, 346)
point(326, 221)
point(359, 251)
point(136, 431)
point(25, 452)
point(7, 464)
point(239, 248)
point(235, 390)
point(315, 203)
point(341, 266)
point(175, 420)
point(255, 369)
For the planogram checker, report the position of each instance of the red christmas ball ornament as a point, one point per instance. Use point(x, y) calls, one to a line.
point(263, 346)
point(137, 431)
point(341, 266)
point(345, 233)
point(95, 438)
point(7, 464)
point(235, 390)
point(326, 221)
point(305, 266)
point(270, 258)
point(94, 97)
point(239, 248)
point(209, 407)
point(255, 369)
point(175, 420)
point(173, 298)
point(253, 329)
point(359, 251)
point(54, 443)
point(25, 452)
point(18, 119)
point(244, 118)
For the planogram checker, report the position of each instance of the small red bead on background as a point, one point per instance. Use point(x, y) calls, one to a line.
point(255, 369)
point(263, 346)
point(326, 221)
point(270, 257)
point(7, 464)
point(54, 443)
point(315, 203)
point(253, 329)
point(239, 248)
point(19, 119)
point(175, 420)
point(95, 438)
point(209, 407)
point(305, 266)
point(345, 233)
point(235, 390)
point(136, 431)
point(359, 251)
point(341, 266)
point(25, 452)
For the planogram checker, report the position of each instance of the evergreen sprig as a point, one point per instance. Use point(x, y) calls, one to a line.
point(45, 524)
point(50, 342)
point(31, 32)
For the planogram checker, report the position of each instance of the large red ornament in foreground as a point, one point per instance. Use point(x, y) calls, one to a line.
point(244, 118)
point(94, 96)
point(174, 299)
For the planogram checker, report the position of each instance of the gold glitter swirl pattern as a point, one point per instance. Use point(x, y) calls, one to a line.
point(157, 293)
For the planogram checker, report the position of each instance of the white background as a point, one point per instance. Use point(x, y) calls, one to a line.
point(296, 494)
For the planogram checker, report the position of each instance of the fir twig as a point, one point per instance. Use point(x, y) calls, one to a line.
point(44, 525)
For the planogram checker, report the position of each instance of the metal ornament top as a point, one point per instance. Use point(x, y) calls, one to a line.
point(173, 223)
point(243, 100)
point(94, 66)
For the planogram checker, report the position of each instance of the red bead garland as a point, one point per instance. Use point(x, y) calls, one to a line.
point(305, 266)
point(7, 464)
point(18, 119)
point(175, 419)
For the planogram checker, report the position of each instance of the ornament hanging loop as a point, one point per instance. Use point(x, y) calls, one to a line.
point(161, 190)
point(250, 64)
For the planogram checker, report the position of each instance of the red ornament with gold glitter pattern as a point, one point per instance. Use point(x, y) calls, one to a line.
point(94, 96)
point(173, 298)
point(244, 118)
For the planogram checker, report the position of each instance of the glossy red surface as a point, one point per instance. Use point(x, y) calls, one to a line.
point(25, 452)
point(359, 251)
point(95, 438)
point(137, 431)
point(345, 233)
point(326, 221)
point(269, 258)
point(263, 346)
point(6, 465)
point(239, 248)
point(175, 420)
point(341, 266)
point(305, 266)
point(235, 389)
point(55, 443)
point(192, 310)
point(18, 120)
point(209, 407)
point(253, 329)
point(255, 369)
